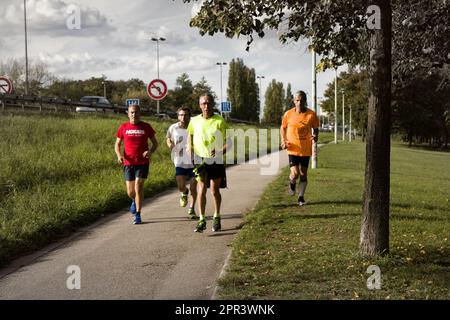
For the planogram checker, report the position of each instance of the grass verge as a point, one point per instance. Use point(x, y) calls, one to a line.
point(287, 252)
point(59, 172)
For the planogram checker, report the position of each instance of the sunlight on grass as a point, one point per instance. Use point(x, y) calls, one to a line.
point(287, 252)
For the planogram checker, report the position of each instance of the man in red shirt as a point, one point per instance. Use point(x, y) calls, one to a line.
point(136, 158)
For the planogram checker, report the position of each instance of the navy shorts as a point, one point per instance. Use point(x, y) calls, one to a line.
point(297, 160)
point(179, 171)
point(133, 172)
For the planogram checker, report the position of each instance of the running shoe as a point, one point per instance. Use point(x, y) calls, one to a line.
point(137, 218)
point(191, 214)
point(184, 199)
point(301, 201)
point(133, 207)
point(201, 225)
point(216, 225)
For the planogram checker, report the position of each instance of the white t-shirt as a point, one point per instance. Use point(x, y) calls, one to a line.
point(179, 155)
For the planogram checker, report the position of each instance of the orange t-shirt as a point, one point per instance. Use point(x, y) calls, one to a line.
point(299, 131)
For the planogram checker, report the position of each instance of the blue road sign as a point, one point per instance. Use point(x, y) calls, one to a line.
point(132, 101)
point(225, 106)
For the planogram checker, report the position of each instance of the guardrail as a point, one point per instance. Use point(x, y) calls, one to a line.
point(52, 104)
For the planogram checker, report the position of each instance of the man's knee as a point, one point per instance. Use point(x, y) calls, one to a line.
point(139, 185)
point(303, 175)
point(294, 173)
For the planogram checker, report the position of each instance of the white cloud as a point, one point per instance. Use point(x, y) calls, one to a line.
point(75, 62)
point(115, 41)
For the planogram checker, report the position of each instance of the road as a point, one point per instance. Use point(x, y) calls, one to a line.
point(163, 258)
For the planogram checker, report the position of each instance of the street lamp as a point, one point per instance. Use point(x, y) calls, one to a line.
point(260, 99)
point(343, 113)
point(157, 64)
point(104, 89)
point(350, 133)
point(335, 105)
point(221, 94)
point(26, 46)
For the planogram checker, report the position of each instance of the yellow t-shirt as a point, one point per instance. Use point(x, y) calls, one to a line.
point(299, 131)
point(208, 134)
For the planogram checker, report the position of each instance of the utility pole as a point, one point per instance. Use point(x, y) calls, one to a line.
point(104, 89)
point(260, 97)
point(314, 101)
point(343, 115)
point(26, 47)
point(350, 133)
point(335, 106)
point(157, 64)
point(221, 92)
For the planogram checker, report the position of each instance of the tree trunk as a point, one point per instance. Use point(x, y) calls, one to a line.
point(374, 238)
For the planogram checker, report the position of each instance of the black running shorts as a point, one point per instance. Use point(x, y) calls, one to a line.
point(297, 160)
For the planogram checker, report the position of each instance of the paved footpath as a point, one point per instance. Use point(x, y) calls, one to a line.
point(163, 258)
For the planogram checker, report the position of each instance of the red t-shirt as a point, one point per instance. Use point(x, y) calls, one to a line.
point(135, 142)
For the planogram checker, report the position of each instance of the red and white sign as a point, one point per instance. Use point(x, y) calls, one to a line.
point(157, 89)
point(5, 85)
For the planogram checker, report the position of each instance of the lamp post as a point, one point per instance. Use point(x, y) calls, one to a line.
point(157, 63)
point(104, 89)
point(26, 47)
point(221, 92)
point(260, 98)
point(335, 105)
point(350, 132)
point(343, 114)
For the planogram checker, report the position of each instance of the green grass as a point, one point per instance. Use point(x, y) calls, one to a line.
point(287, 252)
point(59, 172)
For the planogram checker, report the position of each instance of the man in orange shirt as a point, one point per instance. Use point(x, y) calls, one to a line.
point(299, 127)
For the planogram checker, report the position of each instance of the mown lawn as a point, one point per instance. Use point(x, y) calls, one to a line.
point(287, 252)
point(59, 172)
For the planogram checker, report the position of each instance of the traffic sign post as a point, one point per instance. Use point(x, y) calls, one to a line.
point(225, 107)
point(132, 101)
point(157, 90)
point(5, 85)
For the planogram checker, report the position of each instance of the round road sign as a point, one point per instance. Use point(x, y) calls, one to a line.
point(157, 89)
point(5, 85)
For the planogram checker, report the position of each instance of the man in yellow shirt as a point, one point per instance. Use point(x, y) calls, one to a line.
point(299, 127)
point(207, 143)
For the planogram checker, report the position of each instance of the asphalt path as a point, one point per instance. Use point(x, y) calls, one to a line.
point(163, 258)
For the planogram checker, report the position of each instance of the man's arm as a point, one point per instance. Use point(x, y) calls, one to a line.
point(189, 145)
point(315, 135)
point(284, 141)
point(117, 150)
point(169, 143)
point(148, 153)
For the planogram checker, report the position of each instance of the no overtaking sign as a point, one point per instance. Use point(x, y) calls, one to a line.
point(5, 85)
point(157, 89)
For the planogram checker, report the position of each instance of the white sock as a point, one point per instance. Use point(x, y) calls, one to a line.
point(216, 215)
point(302, 188)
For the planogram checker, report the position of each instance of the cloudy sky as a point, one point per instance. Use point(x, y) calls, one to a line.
point(114, 40)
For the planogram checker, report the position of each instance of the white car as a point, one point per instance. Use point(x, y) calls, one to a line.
point(99, 102)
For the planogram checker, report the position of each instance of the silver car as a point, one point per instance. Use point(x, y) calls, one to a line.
point(99, 102)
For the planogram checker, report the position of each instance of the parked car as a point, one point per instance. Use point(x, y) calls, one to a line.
point(99, 102)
